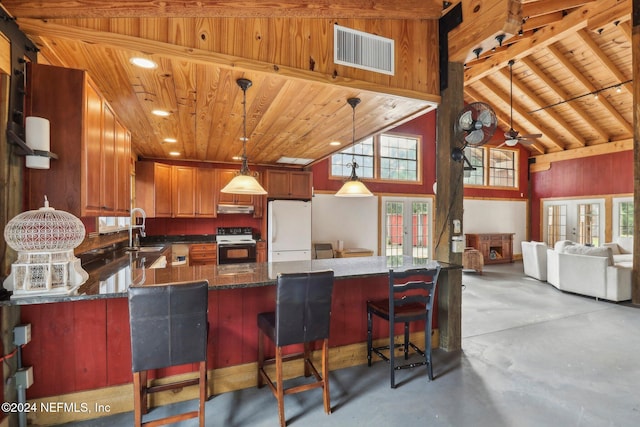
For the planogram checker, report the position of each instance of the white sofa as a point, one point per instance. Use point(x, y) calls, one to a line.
point(534, 259)
point(622, 250)
point(588, 271)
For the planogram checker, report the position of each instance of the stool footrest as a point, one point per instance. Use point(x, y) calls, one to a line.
point(172, 386)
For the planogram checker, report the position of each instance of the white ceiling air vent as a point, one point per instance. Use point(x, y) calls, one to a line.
point(363, 50)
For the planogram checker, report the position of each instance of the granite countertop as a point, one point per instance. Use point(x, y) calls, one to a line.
point(111, 280)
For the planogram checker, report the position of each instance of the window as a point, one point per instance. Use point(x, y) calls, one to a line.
point(625, 219)
point(398, 158)
point(389, 157)
point(476, 159)
point(502, 172)
point(493, 167)
point(362, 152)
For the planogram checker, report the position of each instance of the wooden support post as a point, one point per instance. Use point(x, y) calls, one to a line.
point(635, 277)
point(449, 197)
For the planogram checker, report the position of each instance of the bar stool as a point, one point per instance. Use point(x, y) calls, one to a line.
point(411, 296)
point(302, 316)
point(168, 327)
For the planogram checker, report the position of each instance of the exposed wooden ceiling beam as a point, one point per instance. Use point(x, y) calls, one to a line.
point(618, 12)
point(543, 161)
point(553, 86)
point(542, 21)
point(572, 22)
point(366, 9)
point(591, 88)
point(543, 7)
point(625, 29)
point(604, 59)
point(482, 21)
point(39, 28)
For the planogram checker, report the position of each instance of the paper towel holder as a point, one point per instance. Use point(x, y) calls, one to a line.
point(38, 140)
point(16, 135)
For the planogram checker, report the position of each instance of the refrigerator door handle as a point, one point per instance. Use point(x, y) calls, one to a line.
point(274, 229)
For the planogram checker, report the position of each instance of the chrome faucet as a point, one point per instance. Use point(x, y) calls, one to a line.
point(131, 222)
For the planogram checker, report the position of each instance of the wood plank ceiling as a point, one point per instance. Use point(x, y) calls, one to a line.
point(564, 52)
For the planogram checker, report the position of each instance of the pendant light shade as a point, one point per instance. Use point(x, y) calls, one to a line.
point(245, 181)
point(353, 187)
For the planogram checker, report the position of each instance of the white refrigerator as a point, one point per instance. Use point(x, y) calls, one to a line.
point(289, 230)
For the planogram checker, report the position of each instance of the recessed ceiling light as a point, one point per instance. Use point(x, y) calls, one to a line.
point(174, 153)
point(143, 63)
point(334, 143)
point(170, 140)
point(236, 158)
point(161, 113)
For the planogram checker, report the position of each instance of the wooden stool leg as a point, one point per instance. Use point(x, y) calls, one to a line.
point(280, 387)
point(325, 376)
point(307, 360)
point(137, 398)
point(203, 391)
point(260, 357)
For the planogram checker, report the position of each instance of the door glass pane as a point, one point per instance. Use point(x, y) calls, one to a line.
point(420, 236)
point(394, 224)
point(556, 224)
point(588, 224)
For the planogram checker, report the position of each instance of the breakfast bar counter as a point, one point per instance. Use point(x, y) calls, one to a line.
point(80, 347)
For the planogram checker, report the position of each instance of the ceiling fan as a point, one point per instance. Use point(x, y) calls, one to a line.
point(512, 136)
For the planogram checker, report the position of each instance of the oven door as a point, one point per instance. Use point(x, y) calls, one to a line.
point(236, 253)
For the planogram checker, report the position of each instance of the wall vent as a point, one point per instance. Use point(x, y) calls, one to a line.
point(363, 50)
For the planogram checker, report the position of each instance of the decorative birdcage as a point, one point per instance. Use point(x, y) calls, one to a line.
point(46, 265)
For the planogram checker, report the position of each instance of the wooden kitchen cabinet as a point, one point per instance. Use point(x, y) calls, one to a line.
point(153, 189)
point(173, 191)
point(86, 179)
point(206, 194)
point(183, 191)
point(261, 251)
point(203, 253)
point(496, 248)
point(286, 184)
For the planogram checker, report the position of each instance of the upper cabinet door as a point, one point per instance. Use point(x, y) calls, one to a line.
point(108, 188)
point(183, 186)
point(92, 152)
point(206, 193)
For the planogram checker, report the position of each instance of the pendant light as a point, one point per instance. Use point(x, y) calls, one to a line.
point(245, 181)
point(353, 187)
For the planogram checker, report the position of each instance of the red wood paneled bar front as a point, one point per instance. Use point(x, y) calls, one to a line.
point(84, 345)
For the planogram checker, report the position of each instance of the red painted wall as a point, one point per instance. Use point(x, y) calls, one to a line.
point(590, 176)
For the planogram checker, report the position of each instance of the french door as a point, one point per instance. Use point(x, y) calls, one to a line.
point(406, 227)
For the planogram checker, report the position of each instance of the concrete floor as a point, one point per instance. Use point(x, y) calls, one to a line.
point(532, 356)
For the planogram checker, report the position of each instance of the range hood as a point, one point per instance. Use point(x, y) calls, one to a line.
point(235, 209)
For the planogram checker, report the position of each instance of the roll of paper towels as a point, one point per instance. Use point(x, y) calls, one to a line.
point(37, 138)
point(340, 245)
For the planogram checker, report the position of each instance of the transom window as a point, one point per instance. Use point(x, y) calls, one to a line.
point(493, 167)
point(388, 157)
